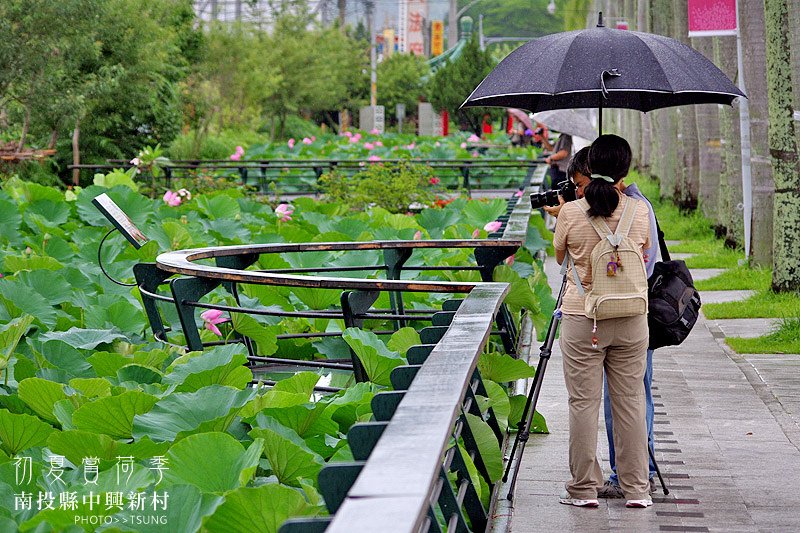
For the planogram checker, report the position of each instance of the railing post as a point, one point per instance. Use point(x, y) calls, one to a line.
point(394, 259)
point(488, 258)
point(149, 277)
point(168, 176)
point(465, 173)
point(190, 290)
point(356, 303)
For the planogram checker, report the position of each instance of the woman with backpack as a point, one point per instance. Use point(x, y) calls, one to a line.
point(604, 324)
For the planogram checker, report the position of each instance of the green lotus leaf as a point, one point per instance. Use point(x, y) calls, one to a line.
point(40, 395)
point(10, 220)
point(481, 212)
point(267, 506)
point(10, 335)
point(87, 339)
point(18, 263)
point(75, 444)
point(63, 356)
point(520, 295)
point(49, 285)
point(266, 337)
point(305, 420)
point(19, 432)
point(435, 221)
point(213, 462)
point(183, 412)
point(27, 302)
point(300, 383)
point(498, 401)
point(113, 415)
point(122, 315)
point(503, 368)
point(403, 339)
point(55, 212)
point(488, 446)
point(377, 359)
point(91, 387)
point(138, 374)
point(219, 206)
point(222, 365)
point(289, 457)
point(187, 506)
point(106, 364)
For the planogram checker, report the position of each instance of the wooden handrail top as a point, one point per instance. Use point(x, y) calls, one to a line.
point(183, 262)
point(333, 163)
point(404, 466)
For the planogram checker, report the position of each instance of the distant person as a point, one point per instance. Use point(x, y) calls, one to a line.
point(539, 134)
point(558, 159)
point(486, 124)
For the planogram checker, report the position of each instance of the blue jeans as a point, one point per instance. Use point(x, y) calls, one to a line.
point(648, 398)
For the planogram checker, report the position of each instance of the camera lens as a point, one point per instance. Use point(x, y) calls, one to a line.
point(541, 199)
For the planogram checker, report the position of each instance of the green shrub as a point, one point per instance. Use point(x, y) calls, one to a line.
point(392, 186)
point(298, 127)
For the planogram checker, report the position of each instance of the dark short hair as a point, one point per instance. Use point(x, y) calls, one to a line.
point(609, 155)
point(579, 163)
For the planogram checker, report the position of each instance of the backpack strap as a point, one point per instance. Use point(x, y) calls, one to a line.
point(568, 262)
point(599, 225)
point(628, 214)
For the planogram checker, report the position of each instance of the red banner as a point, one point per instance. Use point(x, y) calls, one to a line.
point(708, 18)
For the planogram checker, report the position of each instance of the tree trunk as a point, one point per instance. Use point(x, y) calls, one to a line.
point(342, 5)
point(687, 178)
point(665, 131)
point(783, 148)
point(729, 197)
point(25, 125)
point(708, 143)
point(751, 17)
point(642, 24)
point(76, 152)
point(51, 144)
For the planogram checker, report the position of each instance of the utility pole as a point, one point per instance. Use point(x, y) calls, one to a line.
point(452, 24)
point(373, 60)
point(342, 5)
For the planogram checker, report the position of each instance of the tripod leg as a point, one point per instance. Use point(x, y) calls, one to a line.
point(658, 471)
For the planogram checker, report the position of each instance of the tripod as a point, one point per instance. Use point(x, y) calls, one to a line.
point(524, 426)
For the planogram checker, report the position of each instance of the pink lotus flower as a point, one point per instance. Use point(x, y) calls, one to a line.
point(373, 158)
point(437, 143)
point(369, 146)
point(410, 146)
point(374, 131)
point(348, 134)
point(476, 233)
point(463, 145)
point(284, 212)
point(237, 153)
point(378, 143)
point(475, 154)
point(290, 143)
point(313, 138)
point(306, 140)
point(185, 193)
point(418, 235)
point(172, 199)
point(518, 194)
point(435, 181)
point(473, 138)
point(136, 161)
point(491, 227)
point(510, 260)
point(355, 138)
point(212, 317)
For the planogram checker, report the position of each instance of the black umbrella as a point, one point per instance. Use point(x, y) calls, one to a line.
point(603, 67)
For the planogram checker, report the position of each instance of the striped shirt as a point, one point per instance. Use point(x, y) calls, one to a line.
point(575, 234)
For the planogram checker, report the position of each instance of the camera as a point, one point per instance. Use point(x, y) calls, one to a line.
point(566, 190)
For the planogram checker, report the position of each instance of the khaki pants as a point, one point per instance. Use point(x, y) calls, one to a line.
point(621, 350)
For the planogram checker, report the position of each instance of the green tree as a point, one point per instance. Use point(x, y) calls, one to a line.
point(400, 81)
point(517, 18)
point(783, 147)
point(454, 82)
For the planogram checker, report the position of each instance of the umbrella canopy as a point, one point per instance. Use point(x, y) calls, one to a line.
point(521, 116)
point(603, 67)
point(567, 121)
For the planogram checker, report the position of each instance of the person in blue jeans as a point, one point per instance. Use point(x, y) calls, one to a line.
point(579, 172)
point(611, 488)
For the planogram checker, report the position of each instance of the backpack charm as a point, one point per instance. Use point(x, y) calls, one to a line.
point(614, 265)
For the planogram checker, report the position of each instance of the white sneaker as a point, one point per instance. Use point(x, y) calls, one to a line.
point(639, 504)
point(566, 499)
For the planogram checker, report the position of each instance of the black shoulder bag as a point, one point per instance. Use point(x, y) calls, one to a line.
point(674, 303)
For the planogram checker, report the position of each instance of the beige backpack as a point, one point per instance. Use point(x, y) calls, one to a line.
point(619, 278)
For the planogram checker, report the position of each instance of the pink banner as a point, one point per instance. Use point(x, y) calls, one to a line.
point(708, 18)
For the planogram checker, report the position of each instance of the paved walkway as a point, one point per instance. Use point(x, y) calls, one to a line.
point(727, 441)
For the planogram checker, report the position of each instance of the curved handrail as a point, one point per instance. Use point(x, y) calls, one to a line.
point(183, 262)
